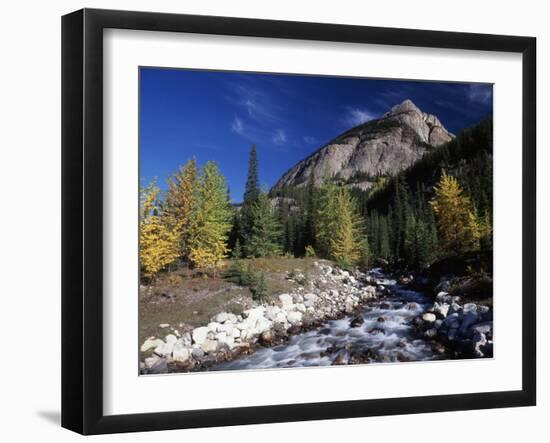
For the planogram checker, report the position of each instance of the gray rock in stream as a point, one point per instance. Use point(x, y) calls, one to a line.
point(156, 365)
point(468, 320)
point(342, 358)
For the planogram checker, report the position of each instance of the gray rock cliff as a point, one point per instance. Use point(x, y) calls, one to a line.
point(379, 147)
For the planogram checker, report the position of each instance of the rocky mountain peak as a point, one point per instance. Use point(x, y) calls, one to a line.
point(428, 126)
point(380, 147)
point(405, 106)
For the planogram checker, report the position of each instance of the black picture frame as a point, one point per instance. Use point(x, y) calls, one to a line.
point(82, 218)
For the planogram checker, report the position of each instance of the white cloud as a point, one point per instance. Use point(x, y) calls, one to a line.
point(237, 126)
point(480, 93)
point(309, 139)
point(357, 116)
point(279, 137)
point(258, 102)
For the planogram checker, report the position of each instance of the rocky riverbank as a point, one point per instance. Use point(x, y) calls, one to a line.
point(466, 330)
point(227, 336)
point(339, 317)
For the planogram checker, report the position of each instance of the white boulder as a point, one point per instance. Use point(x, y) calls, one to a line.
point(213, 326)
point(227, 328)
point(225, 338)
point(428, 317)
point(209, 346)
point(165, 349)
point(151, 343)
point(199, 334)
point(180, 352)
point(294, 317)
point(231, 318)
point(286, 301)
point(254, 313)
point(262, 324)
point(271, 312)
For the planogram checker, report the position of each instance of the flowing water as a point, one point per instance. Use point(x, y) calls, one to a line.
point(386, 335)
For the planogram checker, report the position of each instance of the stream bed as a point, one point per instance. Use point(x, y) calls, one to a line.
point(381, 332)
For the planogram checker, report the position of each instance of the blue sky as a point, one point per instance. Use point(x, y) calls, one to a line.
point(219, 115)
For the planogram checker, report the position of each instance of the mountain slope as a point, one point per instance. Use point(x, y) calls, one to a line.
point(379, 147)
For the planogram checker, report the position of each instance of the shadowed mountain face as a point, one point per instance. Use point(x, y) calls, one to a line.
point(381, 147)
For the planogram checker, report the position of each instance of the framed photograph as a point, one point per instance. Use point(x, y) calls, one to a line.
point(269, 221)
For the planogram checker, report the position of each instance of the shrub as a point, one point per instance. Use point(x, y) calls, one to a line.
point(259, 290)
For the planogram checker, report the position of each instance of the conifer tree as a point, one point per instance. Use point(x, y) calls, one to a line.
point(235, 271)
point(422, 246)
point(364, 254)
point(473, 231)
point(345, 245)
point(373, 226)
point(180, 204)
point(398, 221)
point(289, 241)
point(158, 243)
point(212, 221)
point(384, 239)
point(251, 195)
point(259, 290)
point(339, 228)
point(252, 187)
point(310, 211)
point(235, 232)
point(456, 220)
point(410, 240)
point(265, 234)
point(249, 278)
point(485, 232)
point(391, 240)
point(326, 219)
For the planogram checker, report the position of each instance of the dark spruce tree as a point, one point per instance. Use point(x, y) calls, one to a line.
point(265, 236)
point(251, 195)
point(310, 212)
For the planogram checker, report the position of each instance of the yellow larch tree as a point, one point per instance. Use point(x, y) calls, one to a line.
point(158, 244)
point(457, 222)
point(346, 239)
point(339, 228)
point(180, 204)
point(212, 220)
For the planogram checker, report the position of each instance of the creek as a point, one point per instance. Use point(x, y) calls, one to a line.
point(381, 332)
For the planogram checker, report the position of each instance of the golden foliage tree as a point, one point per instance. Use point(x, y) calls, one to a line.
point(347, 238)
point(158, 243)
point(456, 219)
point(339, 228)
point(212, 219)
point(486, 231)
point(180, 204)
